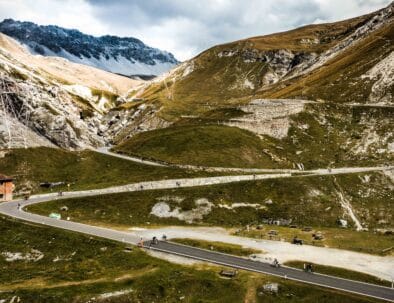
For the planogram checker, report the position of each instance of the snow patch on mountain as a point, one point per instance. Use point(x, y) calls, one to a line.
point(119, 65)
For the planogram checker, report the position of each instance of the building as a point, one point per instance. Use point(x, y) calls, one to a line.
point(6, 188)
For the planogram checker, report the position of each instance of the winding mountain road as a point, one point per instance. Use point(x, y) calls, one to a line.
point(12, 209)
point(323, 171)
point(106, 151)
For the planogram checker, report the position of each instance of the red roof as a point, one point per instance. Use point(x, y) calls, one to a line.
point(5, 178)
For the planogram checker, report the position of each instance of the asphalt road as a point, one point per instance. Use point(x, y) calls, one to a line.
point(384, 293)
point(284, 272)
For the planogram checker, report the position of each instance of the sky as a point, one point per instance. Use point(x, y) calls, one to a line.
point(184, 27)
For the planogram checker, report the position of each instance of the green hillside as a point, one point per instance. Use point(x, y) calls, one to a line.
point(77, 268)
point(340, 80)
point(205, 145)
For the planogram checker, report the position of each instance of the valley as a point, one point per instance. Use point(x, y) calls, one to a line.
point(139, 178)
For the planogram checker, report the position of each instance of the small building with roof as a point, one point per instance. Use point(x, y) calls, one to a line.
point(6, 188)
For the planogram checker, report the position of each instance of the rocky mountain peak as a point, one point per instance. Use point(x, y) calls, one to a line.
point(127, 55)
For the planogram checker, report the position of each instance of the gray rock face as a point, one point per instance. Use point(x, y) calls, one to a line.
point(123, 124)
point(384, 17)
point(40, 108)
point(269, 116)
point(34, 114)
point(55, 119)
point(280, 62)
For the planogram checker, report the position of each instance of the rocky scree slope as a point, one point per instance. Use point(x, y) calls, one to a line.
point(47, 101)
point(127, 56)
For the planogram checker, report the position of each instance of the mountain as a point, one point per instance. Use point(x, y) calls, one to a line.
point(50, 101)
point(336, 62)
point(126, 56)
point(315, 96)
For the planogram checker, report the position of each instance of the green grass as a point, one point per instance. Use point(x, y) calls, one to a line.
point(222, 247)
point(322, 145)
point(83, 170)
point(305, 200)
point(205, 145)
point(340, 272)
point(90, 266)
point(295, 292)
point(81, 257)
point(290, 200)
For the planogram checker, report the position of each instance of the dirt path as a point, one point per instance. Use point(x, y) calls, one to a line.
point(345, 203)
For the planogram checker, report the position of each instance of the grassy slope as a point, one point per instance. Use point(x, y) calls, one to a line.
point(84, 170)
point(217, 81)
point(364, 242)
point(205, 145)
point(93, 271)
point(222, 247)
point(307, 201)
point(340, 272)
point(327, 33)
point(322, 145)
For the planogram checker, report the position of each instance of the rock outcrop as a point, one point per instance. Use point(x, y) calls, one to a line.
point(53, 118)
point(268, 116)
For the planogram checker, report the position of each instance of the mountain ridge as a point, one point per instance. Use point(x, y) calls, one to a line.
point(122, 55)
